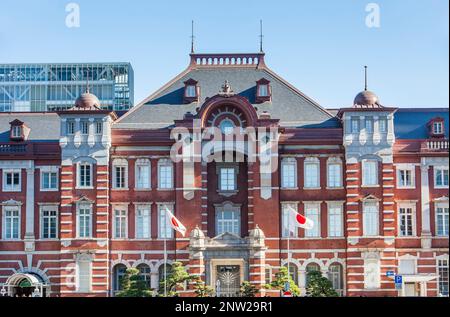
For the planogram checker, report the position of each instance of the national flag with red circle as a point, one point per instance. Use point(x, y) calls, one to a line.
point(175, 223)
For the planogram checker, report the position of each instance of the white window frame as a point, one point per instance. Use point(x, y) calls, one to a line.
point(406, 206)
point(42, 210)
point(227, 174)
point(121, 213)
point(84, 123)
point(16, 131)
point(286, 181)
point(355, 125)
point(140, 219)
point(13, 188)
point(140, 163)
point(165, 163)
point(99, 127)
point(382, 124)
point(91, 174)
point(122, 165)
point(89, 206)
point(191, 91)
point(369, 125)
point(70, 127)
point(445, 264)
point(407, 258)
point(365, 214)
point(412, 172)
point(78, 286)
point(442, 169)
point(332, 207)
point(235, 222)
point(4, 219)
point(331, 183)
point(438, 127)
point(365, 175)
point(263, 90)
point(49, 170)
point(443, 206)
point(313, 161)
point(168, 231)
point(285, 214)
point(310, 208)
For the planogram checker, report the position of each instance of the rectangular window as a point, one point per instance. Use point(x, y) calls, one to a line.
point(334, 175)
point(11, 181)
point(143, 176)
point(70, 127)
point(442, 220)
point(191, 91)
point(405, 178)
point(440, 177)
point(85, 175)
point(227, 178)
point(437, 128)
point(263, 90)
point(84, 127)
point(120, 223)
point(165, 230)
point(312, 175)
point(165, 176)
point(312, 212)
point(370, 219)
point(120, 176)
point(382, 124)
point(407, 266)
point(443, 277)
point(49, 222)
point(355, 125)
point(16, 132)
point(99, 127)
point(228, 221)
point(84, 221)
point(143, 222)
point(285, 220)
point(49, 180)
point(370, 173)
point(11, 223)
point(335, 223)
point(83, 276)
point(406, 221)
point(369, 125)
point(288, 174)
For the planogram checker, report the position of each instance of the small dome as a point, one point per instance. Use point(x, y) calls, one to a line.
point(366, 98)
point(87, 101)
point(197, 233)
point(256, 233)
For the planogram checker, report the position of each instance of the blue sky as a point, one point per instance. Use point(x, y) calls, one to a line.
point(319, 46)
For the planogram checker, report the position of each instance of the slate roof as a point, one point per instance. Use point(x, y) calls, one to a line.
point(43, 126)
point(411, 123)
point(290, 106)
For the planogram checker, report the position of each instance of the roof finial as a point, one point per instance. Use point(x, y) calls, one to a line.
point(261, 36)
point(192, 37)
point(365, 77)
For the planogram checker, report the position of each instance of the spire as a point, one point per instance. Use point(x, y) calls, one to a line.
point(261, 36)
point(365, 78)
point(192, 37)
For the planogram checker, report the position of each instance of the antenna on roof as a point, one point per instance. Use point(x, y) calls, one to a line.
point(261, 36)
point(365, 77)
point(192, 37)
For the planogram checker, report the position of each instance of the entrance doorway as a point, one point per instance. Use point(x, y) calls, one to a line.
point(228, 280)
point(411, 290)
point(24, 285)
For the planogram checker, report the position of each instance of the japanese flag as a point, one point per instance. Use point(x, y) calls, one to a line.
point(298, 220)
point(175, 223)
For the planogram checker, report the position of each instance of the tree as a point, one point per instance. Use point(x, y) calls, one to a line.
point(280, 280)
point(248, 290)
point(176, 278)
point(133, 285)
point(319, 286)
point(201, 289)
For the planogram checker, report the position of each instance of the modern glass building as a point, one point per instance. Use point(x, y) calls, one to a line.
point(51, 87)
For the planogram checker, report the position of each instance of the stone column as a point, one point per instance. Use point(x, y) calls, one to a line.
point(425, 199)
point(29, 219)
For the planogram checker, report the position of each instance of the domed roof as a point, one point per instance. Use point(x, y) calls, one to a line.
point(87, 101)
point(366, 99)
point(256, 233)
point(197, 233)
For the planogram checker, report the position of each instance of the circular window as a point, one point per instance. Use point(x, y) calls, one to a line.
point(226, 126)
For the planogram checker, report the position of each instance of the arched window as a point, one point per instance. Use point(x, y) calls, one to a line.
point(144, 273)
point(335, 275)
point(293, 272)
point(161, 272)
point(226, 126)
point(118, 272)
point(311, 267)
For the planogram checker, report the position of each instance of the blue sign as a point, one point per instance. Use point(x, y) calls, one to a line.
point(390, 273)
point(398, 279)
point(287, 286)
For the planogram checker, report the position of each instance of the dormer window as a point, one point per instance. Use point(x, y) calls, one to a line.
point(436, 127)
point(18, 130)
point(263, 90)
point(191, 91)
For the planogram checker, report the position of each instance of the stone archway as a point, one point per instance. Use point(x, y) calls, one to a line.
point(25, 285)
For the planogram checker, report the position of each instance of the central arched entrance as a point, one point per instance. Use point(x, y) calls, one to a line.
point(25, 285)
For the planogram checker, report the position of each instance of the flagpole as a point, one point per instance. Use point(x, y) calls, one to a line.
point(165, 260)
point(288, 245)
